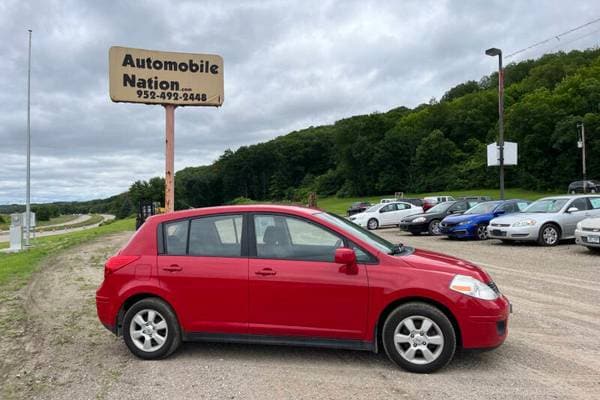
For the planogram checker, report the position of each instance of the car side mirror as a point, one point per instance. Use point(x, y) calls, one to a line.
point(499, 212)
point(456, 212)
point(346, 257)
point(572, 209)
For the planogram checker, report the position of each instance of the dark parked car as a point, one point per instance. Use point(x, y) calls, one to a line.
point(358, 207)
point(590, 187)
point(429, 221)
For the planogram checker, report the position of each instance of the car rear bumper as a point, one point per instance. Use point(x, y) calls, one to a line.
point(512, 233)
point(587, 238)
point(106, 314)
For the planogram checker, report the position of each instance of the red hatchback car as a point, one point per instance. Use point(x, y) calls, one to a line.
point(297, 276)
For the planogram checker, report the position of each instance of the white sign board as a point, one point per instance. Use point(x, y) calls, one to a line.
point(510, 154)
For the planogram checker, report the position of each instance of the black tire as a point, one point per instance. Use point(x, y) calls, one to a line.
point(372, 224)
point(481, 232)
point(441, 324)
point(592, 190)
point(573, 192)
point(434, 227)
point(163, 312)
point(546, 238)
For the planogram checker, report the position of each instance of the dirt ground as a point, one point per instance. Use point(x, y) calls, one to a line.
point(52, 345)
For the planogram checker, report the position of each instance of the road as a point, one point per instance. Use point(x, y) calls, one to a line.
point(59, 350)
point(5, 236)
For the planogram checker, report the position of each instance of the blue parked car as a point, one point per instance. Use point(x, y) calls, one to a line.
point(473, 223)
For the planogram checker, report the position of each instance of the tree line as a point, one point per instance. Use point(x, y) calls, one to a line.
point(436, 146)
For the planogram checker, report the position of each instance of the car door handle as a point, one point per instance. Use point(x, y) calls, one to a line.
point(265, 272)
point(172, 268)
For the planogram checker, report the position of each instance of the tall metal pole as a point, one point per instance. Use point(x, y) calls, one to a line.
point(501, 122)
point(582, 126)
point(28, 194)
point(169, 158)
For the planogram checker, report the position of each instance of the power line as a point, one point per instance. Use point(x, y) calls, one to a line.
point(557, 37)
point(576, 39)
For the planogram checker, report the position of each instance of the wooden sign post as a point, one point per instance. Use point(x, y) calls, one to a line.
point(169, 79)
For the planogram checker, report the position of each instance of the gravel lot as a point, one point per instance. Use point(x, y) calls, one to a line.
point(57, 349)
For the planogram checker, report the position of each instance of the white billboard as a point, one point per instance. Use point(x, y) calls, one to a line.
point(510, 154)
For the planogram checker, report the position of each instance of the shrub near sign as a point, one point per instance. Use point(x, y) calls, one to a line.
point(158, 77)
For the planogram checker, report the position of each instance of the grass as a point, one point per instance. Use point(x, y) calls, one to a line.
point(17, 267)
point(340, 205)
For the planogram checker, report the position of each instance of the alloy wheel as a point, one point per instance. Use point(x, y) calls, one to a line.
point(148, 330)
point(482, 233)
point(418, 340)
point(550, 235)
point(372, 224)
point(435, 227)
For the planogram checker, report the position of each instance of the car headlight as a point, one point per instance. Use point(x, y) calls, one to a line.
point(578, 227)
point(525, 222)
point(465, 222)
point(419, 219)
point(472, 287)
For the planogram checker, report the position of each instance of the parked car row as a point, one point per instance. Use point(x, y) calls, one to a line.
point(546, 221)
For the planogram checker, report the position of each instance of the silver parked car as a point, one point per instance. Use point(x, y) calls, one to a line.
point(587, 233)
point(547, 220)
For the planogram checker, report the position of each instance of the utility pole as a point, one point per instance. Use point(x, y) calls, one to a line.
point(492, 53)
point(581, 145)
point(28, 194)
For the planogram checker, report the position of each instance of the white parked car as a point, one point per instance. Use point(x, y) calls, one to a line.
point(385, 214)
point(587, 233)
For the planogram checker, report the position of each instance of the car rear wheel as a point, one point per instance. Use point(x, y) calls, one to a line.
point(150, 329)
point(549, 235)
point(434, 228)
point(372, 224)
point(482, 233)
point(419, 337)
point(593, 190)
point(573, 192)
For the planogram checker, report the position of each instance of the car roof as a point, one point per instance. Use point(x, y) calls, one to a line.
point(569, 196)
point(297, 210)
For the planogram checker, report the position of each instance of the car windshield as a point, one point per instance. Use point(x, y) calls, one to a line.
point(482, 208)
point(440, 208)
point(374, 240)
point(546, 206)
point(374, 208)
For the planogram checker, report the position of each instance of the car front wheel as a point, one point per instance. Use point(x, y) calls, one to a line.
point(372, 224)
point(482, 233)
point(434, 228)
point(549, 235)
point(419, 338)
point(150, 329)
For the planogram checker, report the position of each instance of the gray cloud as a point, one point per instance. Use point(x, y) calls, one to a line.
point(288, 65)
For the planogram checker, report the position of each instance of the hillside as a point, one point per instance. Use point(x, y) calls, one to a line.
point(433, 147)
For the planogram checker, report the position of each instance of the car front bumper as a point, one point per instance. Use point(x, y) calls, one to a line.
point(513, 233)
point(486, 328)
point(412, 227)
point(587, 238)
point(459, 231)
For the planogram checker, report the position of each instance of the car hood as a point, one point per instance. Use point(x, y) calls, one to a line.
point(455, 219)
point(593, 223)
point(427, 216)
point(512, 218)
point(430, 260)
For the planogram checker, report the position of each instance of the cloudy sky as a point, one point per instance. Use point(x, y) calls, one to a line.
point(288, 65)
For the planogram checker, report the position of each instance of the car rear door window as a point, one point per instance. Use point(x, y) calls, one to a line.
point(595, 202)
point(176, 237)
point(216, 236)
point(282, 237)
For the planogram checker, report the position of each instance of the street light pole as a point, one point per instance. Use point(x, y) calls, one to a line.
point(492, 53)
point(581, 144)
point(28, 194)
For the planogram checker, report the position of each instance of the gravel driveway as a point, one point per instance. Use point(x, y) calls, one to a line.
point(57, 349)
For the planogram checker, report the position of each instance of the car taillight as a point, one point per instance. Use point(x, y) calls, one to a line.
point(117, 262)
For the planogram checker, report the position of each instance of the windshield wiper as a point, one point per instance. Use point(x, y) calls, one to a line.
point(397, 249)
